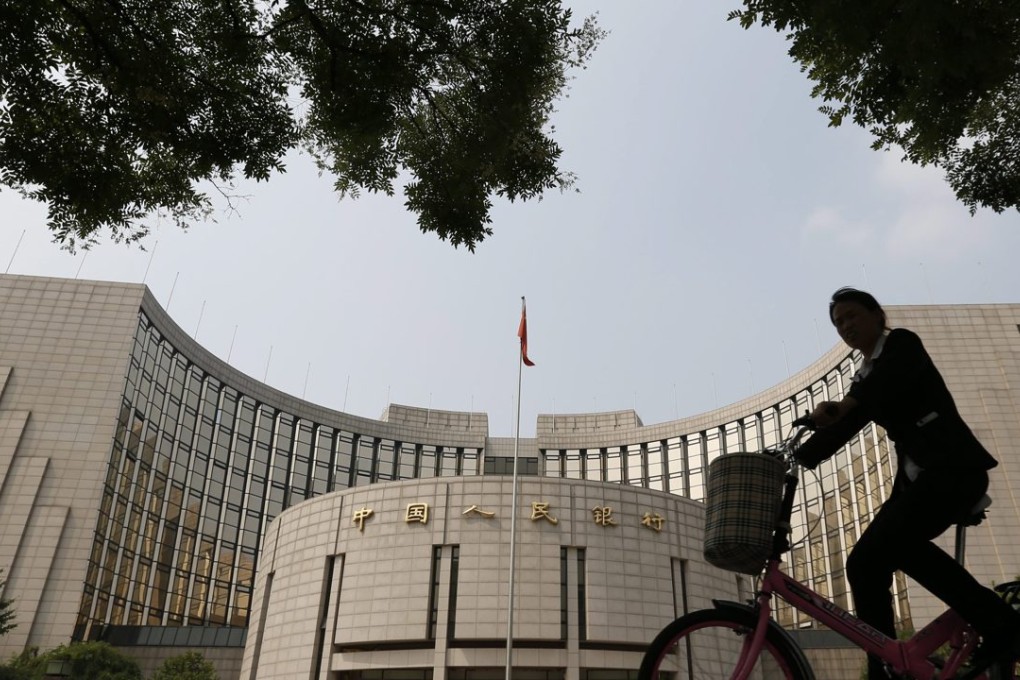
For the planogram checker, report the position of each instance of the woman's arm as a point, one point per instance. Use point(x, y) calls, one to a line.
point(902, 360)
point(826, 441)
point(828, 412)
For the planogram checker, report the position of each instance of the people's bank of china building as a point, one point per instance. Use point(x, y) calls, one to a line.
point(154, 497)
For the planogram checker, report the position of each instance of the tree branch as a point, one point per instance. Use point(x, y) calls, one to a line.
point(97, 39)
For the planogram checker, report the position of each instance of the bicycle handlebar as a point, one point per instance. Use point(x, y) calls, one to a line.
point(797, 429)
point(806, 422)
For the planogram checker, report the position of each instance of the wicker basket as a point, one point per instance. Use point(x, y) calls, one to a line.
point(743, 499)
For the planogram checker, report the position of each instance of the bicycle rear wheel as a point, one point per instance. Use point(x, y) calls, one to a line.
point(708, 645)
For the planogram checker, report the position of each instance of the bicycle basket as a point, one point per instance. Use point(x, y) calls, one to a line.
point(742, 504)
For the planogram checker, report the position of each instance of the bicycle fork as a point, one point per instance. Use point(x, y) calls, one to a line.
point(753, 643)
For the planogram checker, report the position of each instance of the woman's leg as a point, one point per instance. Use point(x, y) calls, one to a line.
point(870, 572)
point(941, 574)
point(899, 537)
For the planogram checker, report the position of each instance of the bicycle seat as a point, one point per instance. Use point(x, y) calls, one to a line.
point(977, 514)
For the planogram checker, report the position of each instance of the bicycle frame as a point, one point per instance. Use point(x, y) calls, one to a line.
point(906, 657)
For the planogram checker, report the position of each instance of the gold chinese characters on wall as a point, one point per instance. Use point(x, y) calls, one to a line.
point(417, 512)
point(361, 515)
point(475, 510)
point(602, 515)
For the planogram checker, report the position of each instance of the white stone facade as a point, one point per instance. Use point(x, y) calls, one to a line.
point(389, 588)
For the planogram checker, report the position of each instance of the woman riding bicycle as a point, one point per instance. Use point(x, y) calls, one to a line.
point(942, 474)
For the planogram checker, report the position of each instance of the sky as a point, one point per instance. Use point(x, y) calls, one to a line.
point(716, 213)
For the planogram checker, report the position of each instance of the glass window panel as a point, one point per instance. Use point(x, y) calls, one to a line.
point(572, 464)
point(229, 532)
point(305, 432)
point(239, 615)
point(256, 490)
point(428, 461)
point(656, 468)
point(469, 461)
point(218, 605)
point(246, 416)
point(713, 444)
point(322, 466)
point(265, 417)
point(211, 517)
point(636, 464)
point(123, 421)
point(407, 459)
point(387, 460)
point(193, 388)
point(655, 452)
point(300, 476)
point(365, 462)
point(733, 438)
point(148, 449)
point(449, 462)
point(752, 433)
point(320, 478)
point(285, 432)
point(199, 468)
point(344, 460)
point(217, 480)
point(282, 456)
point(593, 465)
point(614, 465)
point(676, 467)
point(695, 461)
point(553, 463)
point(227, 406)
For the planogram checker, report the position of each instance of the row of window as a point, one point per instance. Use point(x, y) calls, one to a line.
point(197, 472)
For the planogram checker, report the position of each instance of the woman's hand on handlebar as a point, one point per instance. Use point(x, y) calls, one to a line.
point(828, 412)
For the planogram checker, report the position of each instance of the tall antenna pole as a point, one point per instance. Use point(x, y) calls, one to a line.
point(15, 251)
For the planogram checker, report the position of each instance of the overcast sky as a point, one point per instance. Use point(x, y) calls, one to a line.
point(716, 214)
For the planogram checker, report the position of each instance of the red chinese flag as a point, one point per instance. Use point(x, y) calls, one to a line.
point(522, 333)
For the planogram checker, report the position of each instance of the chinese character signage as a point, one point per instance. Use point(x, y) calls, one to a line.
point(361, 515)
point(417, 512)
point(653, 521)
point(540, 510)
point(602, 515)
point(475, 510)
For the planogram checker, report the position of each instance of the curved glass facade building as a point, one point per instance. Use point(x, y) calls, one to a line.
point(139, 473)
point(199, 468)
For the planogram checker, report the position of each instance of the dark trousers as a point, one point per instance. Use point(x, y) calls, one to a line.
point(900, 538)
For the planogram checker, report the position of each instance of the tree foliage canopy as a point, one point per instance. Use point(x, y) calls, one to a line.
point(187, 666)
point(85, 661)
point(939, 78)
point(113, 110)
point(7, 623)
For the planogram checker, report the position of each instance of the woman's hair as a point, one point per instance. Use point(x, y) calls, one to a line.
point(848, 294)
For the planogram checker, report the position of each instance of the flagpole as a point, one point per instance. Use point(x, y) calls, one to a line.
point(513, 517)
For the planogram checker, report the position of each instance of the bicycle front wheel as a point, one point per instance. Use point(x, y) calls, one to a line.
point(709, 645)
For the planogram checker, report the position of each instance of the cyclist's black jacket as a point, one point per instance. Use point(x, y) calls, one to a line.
point(905, 394)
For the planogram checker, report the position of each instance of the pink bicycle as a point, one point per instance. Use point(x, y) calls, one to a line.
point(737, 641)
